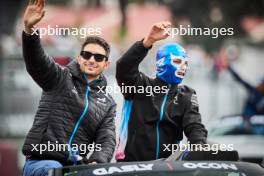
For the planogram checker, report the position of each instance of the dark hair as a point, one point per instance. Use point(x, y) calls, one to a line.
point(97, 40)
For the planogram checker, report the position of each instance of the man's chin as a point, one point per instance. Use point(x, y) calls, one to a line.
point(92, 73)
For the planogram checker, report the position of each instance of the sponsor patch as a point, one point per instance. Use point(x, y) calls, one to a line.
point(122, 169)
point(210, 166)
point(194, 100)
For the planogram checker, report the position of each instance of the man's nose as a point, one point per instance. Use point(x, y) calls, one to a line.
point(92, 59)
point(183, 66)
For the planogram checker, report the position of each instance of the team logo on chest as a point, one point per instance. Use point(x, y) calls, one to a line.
point(101, 101)
point(74, 90)
point(175, 100)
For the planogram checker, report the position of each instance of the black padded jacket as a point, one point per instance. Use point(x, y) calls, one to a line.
point(148, 131)
point(61, 106)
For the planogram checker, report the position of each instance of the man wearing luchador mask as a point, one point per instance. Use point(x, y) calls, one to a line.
point(151, 122)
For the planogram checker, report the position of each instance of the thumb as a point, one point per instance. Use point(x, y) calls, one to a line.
point(43, 13)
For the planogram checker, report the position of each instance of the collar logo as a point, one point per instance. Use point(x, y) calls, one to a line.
point(175, 100)
point(74, 90)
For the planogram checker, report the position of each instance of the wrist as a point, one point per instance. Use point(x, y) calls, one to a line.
point(148, 42)
point(28, 29)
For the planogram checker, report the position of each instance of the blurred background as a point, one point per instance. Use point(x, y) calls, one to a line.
point(227, 72)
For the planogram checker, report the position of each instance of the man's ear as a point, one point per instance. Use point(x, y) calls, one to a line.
point(78, 59)
point(107, 63)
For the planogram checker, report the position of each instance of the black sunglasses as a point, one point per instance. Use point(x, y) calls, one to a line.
point(97, 57)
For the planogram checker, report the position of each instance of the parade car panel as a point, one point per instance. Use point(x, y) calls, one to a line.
point(205, 163)
point(164, 168)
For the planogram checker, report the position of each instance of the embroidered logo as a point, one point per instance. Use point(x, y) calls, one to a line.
point(194, 100)
point(175, 100)
point(101, 101)
point(74, 90)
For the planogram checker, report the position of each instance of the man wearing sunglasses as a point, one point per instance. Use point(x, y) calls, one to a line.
point(73, 116)
point(152, 124)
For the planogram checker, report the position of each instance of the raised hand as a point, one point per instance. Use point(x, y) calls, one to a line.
point(33, 14)
point(159, 31)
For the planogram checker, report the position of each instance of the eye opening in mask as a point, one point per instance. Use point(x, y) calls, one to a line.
point(177, 60)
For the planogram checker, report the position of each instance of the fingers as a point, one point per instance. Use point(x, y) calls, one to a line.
point(166, 24)
point(42, 13)
point(163, 25)
point(41, 3)
point(31, 2)
point(93, 163)
point(158, 26)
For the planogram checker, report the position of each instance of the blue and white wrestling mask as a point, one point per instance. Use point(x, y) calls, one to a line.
point(171, 62)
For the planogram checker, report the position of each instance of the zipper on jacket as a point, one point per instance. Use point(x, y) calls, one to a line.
point(78, 124)
point(158, 123)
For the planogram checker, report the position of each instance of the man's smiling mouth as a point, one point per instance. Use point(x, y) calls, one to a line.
point(90, 66)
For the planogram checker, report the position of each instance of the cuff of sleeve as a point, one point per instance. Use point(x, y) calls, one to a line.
point(97, 158)
point(141, 45)
point(34, 35)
